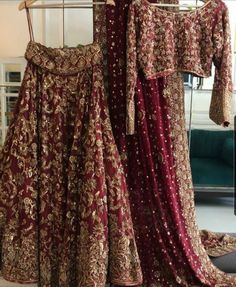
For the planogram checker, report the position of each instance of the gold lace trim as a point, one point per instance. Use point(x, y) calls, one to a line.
point(218, 244)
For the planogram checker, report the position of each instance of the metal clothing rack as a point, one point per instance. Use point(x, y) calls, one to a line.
point(30, 4)
point(67, 6)
point(199, 86)
point(88, 4)
point(81, 4)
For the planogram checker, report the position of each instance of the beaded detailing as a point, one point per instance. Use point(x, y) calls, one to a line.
point(64, 209)
point(161, 42)
point(63, 61)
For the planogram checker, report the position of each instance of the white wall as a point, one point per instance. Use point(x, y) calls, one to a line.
point(14, 33)
point(78, 27)
point(48, 27)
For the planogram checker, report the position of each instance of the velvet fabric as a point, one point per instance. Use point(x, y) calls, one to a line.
point(167, 238)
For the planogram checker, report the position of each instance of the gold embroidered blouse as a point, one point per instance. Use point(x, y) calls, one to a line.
point(161, 42)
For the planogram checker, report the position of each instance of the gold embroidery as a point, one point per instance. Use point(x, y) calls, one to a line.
point(64, 207)
point(174, 93)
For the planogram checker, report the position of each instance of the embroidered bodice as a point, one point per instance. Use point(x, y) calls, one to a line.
point(161, 42)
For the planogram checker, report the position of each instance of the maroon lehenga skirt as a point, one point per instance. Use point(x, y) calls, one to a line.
point(64, 208)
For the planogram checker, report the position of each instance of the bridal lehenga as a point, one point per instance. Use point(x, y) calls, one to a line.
point(75, 210)
point(156, 155)
point(63, 197)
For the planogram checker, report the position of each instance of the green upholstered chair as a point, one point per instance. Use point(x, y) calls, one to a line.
point(211, 158)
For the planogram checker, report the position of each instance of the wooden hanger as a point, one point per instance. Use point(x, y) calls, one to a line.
point(26, 4)
point(76, 4)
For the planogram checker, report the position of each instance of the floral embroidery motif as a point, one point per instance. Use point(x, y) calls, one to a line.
point(64, 207)
point(218, 244)
point(161, 42)
point(174, 94)
point(145, 163)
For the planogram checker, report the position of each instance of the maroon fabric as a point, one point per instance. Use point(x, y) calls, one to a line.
point(63, 194)
point(164, 246)
point(154, 197)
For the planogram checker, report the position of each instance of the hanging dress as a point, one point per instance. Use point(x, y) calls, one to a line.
point(65, 214)
point(156, 156)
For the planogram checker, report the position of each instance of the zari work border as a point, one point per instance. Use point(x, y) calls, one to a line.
point(174, 93)
point(217, 244)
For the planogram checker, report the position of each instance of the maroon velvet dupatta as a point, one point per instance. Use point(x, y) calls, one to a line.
point(156, 162)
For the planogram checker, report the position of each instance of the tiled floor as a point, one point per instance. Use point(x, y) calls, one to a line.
point(212, 214)
point(216, 214)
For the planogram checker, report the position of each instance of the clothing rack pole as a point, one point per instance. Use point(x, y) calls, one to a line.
point(67, 5)
point(190, 116)
point(63, 26)
point(191, 111)
point(90, 4)
point(80, 5)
